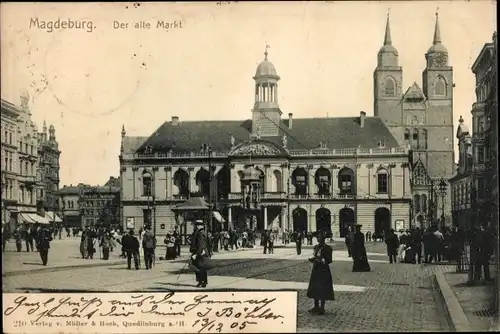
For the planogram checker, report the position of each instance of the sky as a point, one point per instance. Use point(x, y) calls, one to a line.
point(90, 83)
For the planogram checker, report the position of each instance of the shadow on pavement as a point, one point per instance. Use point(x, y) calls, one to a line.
point(34, 263)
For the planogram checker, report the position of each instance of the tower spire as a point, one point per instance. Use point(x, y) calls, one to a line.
point(387, 37)
point(437, 32)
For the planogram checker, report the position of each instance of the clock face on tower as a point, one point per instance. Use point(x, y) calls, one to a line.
point(440, 59)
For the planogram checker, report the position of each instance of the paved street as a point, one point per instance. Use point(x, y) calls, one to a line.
point(390, 298)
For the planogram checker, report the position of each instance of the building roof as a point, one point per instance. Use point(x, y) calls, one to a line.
point(414, 92)
point(486, 51)
point(437, 46)
point(266, 69)
point(69, 190)
point(306, 133)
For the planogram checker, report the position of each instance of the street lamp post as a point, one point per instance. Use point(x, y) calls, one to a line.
point(152, 204)
point(207, 148)
point(442, 192)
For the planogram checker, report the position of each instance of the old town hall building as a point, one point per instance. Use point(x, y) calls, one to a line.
point(275, 172)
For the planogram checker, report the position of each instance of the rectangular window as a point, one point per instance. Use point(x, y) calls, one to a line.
point(10, 138)
point(480, 154)
point(146, 186)
point(382, 183)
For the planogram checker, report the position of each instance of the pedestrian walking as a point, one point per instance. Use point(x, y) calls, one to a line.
point(392, 243)
point(148, 246)
point(265, 240)
point(321, 283)
point(177, 237)
point(272, 238)
point(105, 244)
point(199, 256)
point(360, 259)
point(43, 240)
point(169, 241)
point(298, 242)
point(131, 246)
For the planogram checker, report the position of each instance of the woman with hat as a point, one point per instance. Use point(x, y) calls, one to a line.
point(359, 256)
point(321, 283)
point(170, 243)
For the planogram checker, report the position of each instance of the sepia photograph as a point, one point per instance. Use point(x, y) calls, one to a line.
point(233, 166)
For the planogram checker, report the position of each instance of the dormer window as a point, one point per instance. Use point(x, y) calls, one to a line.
point(148, 149)
point(381, 144)
point(322, 145)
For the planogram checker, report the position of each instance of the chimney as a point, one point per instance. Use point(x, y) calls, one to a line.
point(362, 116)
point(290, 120)
point(175, 120)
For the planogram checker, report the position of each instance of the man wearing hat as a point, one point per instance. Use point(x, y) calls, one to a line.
point(199, 250)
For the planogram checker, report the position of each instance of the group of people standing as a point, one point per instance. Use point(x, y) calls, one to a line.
point(37, 237)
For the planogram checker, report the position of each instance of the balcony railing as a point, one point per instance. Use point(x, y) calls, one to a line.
point(293, 153)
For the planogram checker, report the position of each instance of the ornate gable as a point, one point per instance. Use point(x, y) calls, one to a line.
point(257, 148)
point(414, 93)
point(420, 177)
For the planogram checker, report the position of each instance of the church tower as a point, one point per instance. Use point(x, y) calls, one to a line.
point(437, 82)
point(266, 113)
point(387, 84)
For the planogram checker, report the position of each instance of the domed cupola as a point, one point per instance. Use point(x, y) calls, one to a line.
point(266, 111)
point(437, 55)
point(388, 54)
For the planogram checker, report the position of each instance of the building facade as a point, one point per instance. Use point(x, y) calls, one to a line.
point(99, 205)
point(69, 198)
point(485, 134)
point(461, 184)
point(314, 173)
point(48, 162)
point(420, 118)
point(19, 162)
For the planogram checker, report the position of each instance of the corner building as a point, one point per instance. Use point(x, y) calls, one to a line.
point(315, 173)
point(420, 118)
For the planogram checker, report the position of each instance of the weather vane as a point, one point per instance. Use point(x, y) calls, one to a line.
point(437, 11)
point(265, 52)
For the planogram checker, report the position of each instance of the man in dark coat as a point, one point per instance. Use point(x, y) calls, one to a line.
point(200, 254)
point(149, 246)
point(43, 240)
point(416, 245)
point(298, 242)
point(486, 250)
point(265, 240)
point(360, 259)
point(392, 243)
point(131, 246)
point(349, 239)
point(321, 283)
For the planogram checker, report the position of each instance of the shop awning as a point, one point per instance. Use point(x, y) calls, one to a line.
point(39, 219)
point(52, 217)
point(219, 217)
point(26, 218)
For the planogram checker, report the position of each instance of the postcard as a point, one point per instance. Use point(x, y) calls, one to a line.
point(254, 167)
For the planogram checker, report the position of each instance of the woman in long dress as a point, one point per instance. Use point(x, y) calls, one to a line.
point(83, 244)
point(321, 283)
point(90, 245)
point(170, 242)
point(359, 256)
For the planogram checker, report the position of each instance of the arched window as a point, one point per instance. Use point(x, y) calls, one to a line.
point(416, 203)
point(382, 181)
point(440, 87)
point(346, 181)
point(407, 135)
point(423, 198)
point(389, 87)
point(414, 142)
point(146, 185)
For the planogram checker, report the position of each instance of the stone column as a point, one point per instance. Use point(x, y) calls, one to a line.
point(311, 184)
point(283, 219)
point(229, 218)
point(169, 178)
point(192, 180)
point(265, 218)
point(334, 180)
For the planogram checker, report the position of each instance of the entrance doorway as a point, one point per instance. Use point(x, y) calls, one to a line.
point(382, 221)
point(300, 220)
point(324, 221)
point(346, 220)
